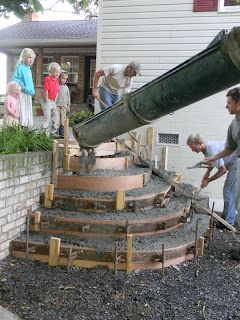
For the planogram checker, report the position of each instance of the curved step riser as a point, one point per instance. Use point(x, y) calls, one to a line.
point(108, 228)
point(88, 258)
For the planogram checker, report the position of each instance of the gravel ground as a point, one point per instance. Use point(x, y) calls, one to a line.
point(209, 289)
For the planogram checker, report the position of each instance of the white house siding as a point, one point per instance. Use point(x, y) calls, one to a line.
point(160, 34)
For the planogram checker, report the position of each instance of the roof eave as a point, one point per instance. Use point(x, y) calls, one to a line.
point(47, 42)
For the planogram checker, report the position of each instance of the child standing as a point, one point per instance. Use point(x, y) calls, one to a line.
point(49, 97)
point(23, 76)
point(11, 104)
point(63, 101)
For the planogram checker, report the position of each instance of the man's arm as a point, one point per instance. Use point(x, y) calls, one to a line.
point(226, 152)
point(98, 74)
point(221, 171)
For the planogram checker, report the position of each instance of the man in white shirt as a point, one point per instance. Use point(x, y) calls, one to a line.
point(116, 80)
point(227, 164)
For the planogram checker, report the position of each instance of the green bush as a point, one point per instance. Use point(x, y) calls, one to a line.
point(17, 139)
point(77, 117)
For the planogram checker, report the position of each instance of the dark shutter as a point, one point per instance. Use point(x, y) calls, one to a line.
point(205, 5)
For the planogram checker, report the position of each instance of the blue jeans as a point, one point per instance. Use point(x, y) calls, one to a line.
point(237, 194)
point(107, 98)
point(229, 190)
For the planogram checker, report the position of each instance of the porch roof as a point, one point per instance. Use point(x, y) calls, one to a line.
point(49, 33)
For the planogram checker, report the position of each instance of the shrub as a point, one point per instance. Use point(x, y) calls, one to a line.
point(77, 117)
point(17, 139)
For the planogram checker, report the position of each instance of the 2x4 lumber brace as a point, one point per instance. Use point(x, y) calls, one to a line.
point(146, 177)
point(120, 199)
point(150, 139)
point(164, 158)
point(49, 195)
point(36, 220)
point(129, 253)
point(196, 202)
point(201, 246)
point(54, 251)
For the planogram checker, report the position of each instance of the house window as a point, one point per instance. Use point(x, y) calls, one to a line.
point(205, 5)
point(168, 138)
point(92, 71)
point(229, 5)
point(46, 61)
point(71, 65)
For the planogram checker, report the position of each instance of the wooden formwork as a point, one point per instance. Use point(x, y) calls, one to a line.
point(56, 254)
point(103, 183)
point(116, 228)
point(129, 259)
point(130, 203)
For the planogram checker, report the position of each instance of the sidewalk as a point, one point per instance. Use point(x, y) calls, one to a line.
point(7, 315)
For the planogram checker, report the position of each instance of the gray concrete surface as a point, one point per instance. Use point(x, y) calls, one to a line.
point(7, 315)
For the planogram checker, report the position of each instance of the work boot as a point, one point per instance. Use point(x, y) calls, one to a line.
point(235, 254)
point(61, 131)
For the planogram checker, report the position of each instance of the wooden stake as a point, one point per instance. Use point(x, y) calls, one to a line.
point(116, 259)
point(120, 199)
point(150, 139)
point(69, 258)
point(129, 253)
point(36, 221)
point(49, 193)
point(126, 229)
point(139, 143)
point(164, 158)
point(196, 242)
point(66, 162)
point(54, 251)
point(146, 178)
point(66, 128)
point(134, 140)
point(211, 226)
point(27, 235)
point(163, 258)
point(148, 153)
point(54, 162)
point(156, 162)
point(126, 162)
point(201, 246)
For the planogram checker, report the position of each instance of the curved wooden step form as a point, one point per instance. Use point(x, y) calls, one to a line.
point(154, 194)
point(103, 183)
point(117, 163)
point(101, 204)
point(56, 254)
point(103, 150)
point(117, 229)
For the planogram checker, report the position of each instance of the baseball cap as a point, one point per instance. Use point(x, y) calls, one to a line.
point(137, 67)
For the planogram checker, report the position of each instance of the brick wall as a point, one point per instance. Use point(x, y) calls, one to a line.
point(22, 180)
